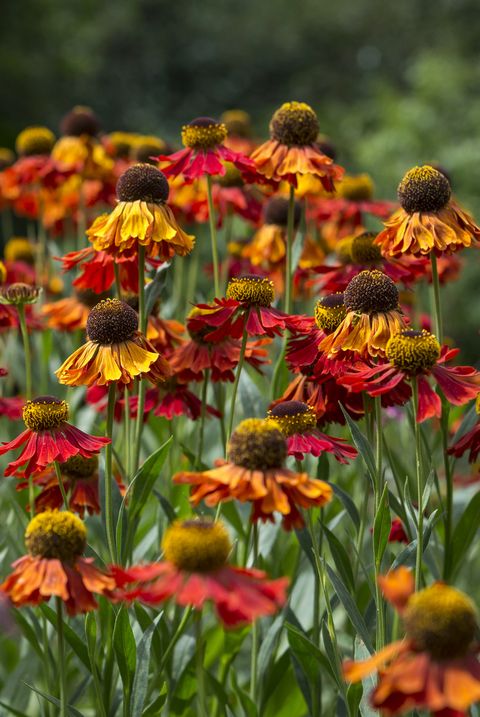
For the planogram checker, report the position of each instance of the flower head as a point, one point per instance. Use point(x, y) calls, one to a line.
point(115, 350)
point(54, 565)
point(34, 141)
point(80, 121)
point(435, 667)
point(428, 219)
point(49, 437)
point(329, 312)
point(19, 294)
point(195, 571)
point(254, 472)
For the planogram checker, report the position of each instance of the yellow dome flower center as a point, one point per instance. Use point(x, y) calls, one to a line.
point(19, 293)
point(111, 321)
point(79, 467)
point(424, 189)
point(45, 413)
point(442, 621)
point(330, 312)
point(293, 417)
point(413, 351)
point(257, 444)
point(363, 250)
point(370, 292)
point(203, 133)
point(251, 289)
point(356, 188)
point(197, 546)
point(34, 140)
point(56, 535)
point(294, 124)
point(19, 249)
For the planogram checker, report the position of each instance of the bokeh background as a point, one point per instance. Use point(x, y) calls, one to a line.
point(395, 84)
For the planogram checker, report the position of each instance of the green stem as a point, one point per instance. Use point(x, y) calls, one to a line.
point(127, 424)
point(213, 237)
point(142, 325)
point(206, 378)
point(61, 658)
point(236, 383)
point(290, 238)
point(178, 633)
point(449, 491)
point(26, 350)
point(315, 687)
point(436, 307)
point(110, 528)
point(380, 614)
point(118, 284)
point(202, 708)
point(255, 634)
point(58, 473)
point(419, 477)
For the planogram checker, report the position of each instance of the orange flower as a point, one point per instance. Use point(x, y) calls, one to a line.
point(435, 667)
point(254, 473)
point(70, 313)
point(141, 218)
point(428, 219)
point(373, 316)
point(268, 244)
point(54, 566)
point(115, 350)
point(292, 150)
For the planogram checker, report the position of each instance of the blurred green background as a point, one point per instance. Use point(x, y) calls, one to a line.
point(394, 83)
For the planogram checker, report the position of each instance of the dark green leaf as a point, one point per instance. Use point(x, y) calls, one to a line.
point(269, 645)
point(140, 682)
point(125, 649)
point(361, 444)
point(350, 606)
point(308, 654)
point(71, 636)
point(71, 711)
point(348, 503)
point(465, 532)
point(381, 526)
point(12, 710)
point(340, 557)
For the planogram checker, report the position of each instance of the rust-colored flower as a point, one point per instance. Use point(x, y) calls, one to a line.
point(54, 566)
point(255, 473)
point(115, 350)
point(195, 571)
point(435, 667)
point(292, 150)
point(428, 220)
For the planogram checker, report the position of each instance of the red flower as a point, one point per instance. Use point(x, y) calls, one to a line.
point(397, 532)
point(468, 442)
point(193, 577)
point(417, 353)
point(49, 437)
point(205, 153)
point(11, 407)
point(97, 269)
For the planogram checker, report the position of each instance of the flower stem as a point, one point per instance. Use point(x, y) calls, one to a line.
point(110, 529)
point(61, 659)
point(26, 350)
point(315, 687)
point(290, 237)
point(118, 285)
point(255, 635)
point(213, 237)
point(58, 473)
point(202, 708)
point(449, 491)
point(202, 418)
point(235, 385)
point(437, 307)
point(127, 423)
point(142, 325)
point(378, 494)
point(419, 477)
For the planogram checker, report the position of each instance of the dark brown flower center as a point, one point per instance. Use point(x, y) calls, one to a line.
point(371, 291)
point(424, 189)
point(111, 321)
point(294, 124)
point(143, 182)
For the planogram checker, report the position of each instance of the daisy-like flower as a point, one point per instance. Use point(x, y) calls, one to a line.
point(72, 312)
point(417, 354)
point(34, 141)
point(54, 566)
point(470, 441)
point(255, 473)
point(190, 360)
point(298, 423)
point(292, 149)
point(373, 316)
point(19, 294)
point(435, 667)
point(49, 437)
point(247, 307)
point(195, 570)
point(429, 220)
point(141, 218)
point(205, 153)
point(80, 481)
point(115, 350)
point(268, 244)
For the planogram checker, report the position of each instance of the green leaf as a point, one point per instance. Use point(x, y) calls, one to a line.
point(306, 544)
point(368, 684)
point(144, 479)
point(381, 526)
point(340, 557)
point(362, 445)
point(281, 374)
point(354, 696)
point(71, 711)
point(125, 650)
point(166, 506)
point(140, 682)
point(75, 642)
point(269, 645)
point(465, 532)
point(309, 655)
point(154, 288)
point(331, 654)
point(12, 710)
point(154, 708)
point(29, 633)
point(350, 606)
point(348, 504)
